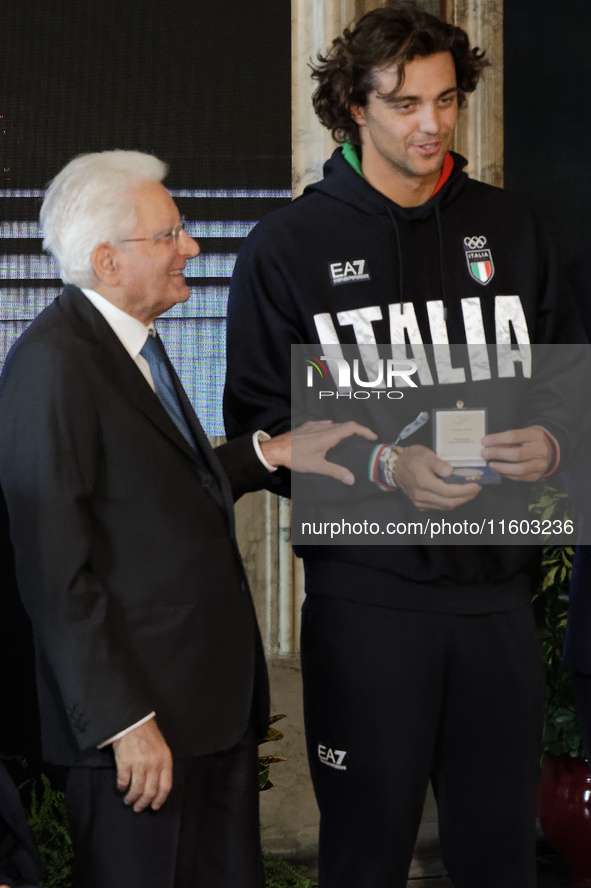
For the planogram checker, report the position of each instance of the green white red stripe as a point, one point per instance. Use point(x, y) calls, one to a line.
point(482, 270)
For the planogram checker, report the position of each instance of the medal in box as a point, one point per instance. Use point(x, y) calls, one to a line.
point(457, 439)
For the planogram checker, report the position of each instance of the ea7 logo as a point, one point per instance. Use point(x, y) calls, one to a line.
point(348, 272)
point(334, 758)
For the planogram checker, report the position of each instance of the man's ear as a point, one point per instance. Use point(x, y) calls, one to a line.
point(357, 113)
point(104, 259)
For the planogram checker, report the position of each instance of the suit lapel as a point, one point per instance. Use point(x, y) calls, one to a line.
point(205, 447)
point(127, 377)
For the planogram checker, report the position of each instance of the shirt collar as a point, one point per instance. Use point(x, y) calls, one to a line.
point(352, 155)
point(131, 333)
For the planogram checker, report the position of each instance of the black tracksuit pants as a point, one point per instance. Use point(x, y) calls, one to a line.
point(396, 698)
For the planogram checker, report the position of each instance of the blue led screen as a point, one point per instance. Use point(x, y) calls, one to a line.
point(189, 83)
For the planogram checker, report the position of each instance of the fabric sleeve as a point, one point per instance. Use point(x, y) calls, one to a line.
point(261, 327)
point(244, 469)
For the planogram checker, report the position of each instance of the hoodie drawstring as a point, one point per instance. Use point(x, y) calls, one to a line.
point(399, 248)
point(441, 273)
point(396, 228)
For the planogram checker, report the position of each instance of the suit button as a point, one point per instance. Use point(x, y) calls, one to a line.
point(205, 480)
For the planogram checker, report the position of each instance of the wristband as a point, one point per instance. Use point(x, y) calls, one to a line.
point(382, 466)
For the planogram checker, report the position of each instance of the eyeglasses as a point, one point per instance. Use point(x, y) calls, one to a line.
point(171, 237)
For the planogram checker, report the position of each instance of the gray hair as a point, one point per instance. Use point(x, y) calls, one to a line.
point(91, 202)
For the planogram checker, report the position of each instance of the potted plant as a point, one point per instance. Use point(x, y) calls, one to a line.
point(561, 731)
point(564, 794)
point(279, 873)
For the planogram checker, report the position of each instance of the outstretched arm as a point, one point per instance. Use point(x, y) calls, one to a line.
point(304, 449)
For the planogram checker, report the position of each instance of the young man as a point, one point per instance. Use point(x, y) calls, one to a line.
point(418, 662)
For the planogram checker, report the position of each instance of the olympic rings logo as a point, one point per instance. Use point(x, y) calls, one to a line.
point(475, 243)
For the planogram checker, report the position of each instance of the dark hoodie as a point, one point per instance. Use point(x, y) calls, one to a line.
point(343, 263)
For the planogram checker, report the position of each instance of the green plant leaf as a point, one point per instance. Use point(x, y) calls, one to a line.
point(272, 735)
point(280, 873)
point(266, 760)
point(561, 730)
point(48, 821)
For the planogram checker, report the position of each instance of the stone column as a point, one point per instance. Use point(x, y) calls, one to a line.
point(479, 136)
point(314, 25)
point(263, 521)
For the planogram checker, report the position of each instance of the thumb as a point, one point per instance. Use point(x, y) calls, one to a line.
point(123, 776)
point(339, 473)
point(442, 468)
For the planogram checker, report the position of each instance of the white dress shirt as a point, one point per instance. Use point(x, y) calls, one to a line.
point(131, 333)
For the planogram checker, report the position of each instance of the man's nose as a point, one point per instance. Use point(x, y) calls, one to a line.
point(430, 119)
point(188, 246)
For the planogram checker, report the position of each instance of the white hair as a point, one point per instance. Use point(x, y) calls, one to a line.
point(91, 202)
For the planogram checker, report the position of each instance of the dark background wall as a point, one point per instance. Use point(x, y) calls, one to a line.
point(547, 76)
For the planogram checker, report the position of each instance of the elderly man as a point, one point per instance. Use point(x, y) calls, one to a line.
point(121, 519)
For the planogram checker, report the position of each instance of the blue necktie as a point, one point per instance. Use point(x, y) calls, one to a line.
point(153, 352)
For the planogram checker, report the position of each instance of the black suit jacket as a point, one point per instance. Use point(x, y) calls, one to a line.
point(126, 562)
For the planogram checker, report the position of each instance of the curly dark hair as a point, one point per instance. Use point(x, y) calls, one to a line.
point(391, 35)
